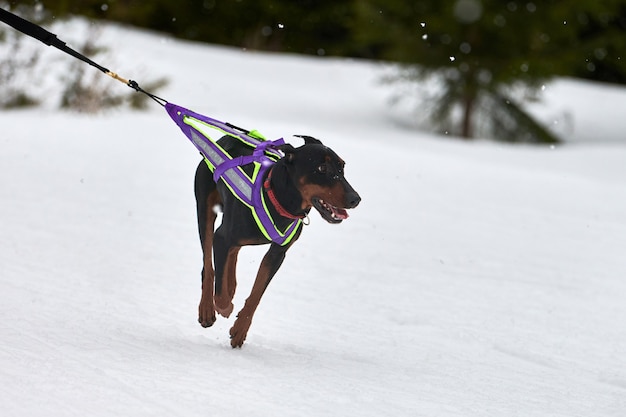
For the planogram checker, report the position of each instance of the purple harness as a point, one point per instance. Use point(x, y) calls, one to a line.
point(248, 189)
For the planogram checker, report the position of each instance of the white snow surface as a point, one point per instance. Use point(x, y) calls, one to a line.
point(475, 279)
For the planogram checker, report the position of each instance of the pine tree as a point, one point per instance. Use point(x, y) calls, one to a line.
point(601, 46)
point(317, 27)
point(482, 50)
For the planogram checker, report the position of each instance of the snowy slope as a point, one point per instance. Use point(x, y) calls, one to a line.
point(473, 280)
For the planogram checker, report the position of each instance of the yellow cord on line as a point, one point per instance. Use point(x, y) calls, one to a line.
point(117, 77)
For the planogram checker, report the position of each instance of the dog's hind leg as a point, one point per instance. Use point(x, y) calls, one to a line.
point(207, 198)
point(269, 265)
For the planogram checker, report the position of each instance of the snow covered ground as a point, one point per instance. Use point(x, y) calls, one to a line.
point(473, 280)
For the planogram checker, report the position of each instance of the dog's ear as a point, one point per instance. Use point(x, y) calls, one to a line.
point(309, 140)
point(288, 150)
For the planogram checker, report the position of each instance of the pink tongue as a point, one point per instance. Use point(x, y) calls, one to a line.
point(340, 213)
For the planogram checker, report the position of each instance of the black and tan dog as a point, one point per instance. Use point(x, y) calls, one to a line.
point(308, 176)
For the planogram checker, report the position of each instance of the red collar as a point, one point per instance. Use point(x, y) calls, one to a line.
point(279, 208)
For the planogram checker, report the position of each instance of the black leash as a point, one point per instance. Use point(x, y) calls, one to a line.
point(50, 39)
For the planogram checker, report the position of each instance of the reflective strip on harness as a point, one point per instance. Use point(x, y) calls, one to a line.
point(236, 179)
point(207, 150)
point(248, 190)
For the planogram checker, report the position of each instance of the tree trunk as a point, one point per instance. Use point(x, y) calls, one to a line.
point(468, 109)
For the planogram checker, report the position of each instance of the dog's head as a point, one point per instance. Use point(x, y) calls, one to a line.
point(317, 172)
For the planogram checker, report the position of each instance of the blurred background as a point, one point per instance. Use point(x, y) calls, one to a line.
point(486, 56)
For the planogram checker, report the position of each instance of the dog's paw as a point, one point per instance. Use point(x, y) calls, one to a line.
point(206, 314)
point(206, 323)
point(237, 339)
point(225, 312)
point(239, 331)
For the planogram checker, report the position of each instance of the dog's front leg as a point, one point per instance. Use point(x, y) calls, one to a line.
point(206, 309)
point(269, 265)
point(206, 221)
point(225, 273)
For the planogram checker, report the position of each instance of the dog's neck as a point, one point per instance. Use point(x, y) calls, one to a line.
point(285, 191)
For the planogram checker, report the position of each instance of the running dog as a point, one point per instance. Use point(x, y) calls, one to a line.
point(311, 175)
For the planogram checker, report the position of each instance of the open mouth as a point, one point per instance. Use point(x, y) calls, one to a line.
point(329, 212)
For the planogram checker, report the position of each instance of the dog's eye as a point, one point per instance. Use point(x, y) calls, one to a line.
point(322, 169)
